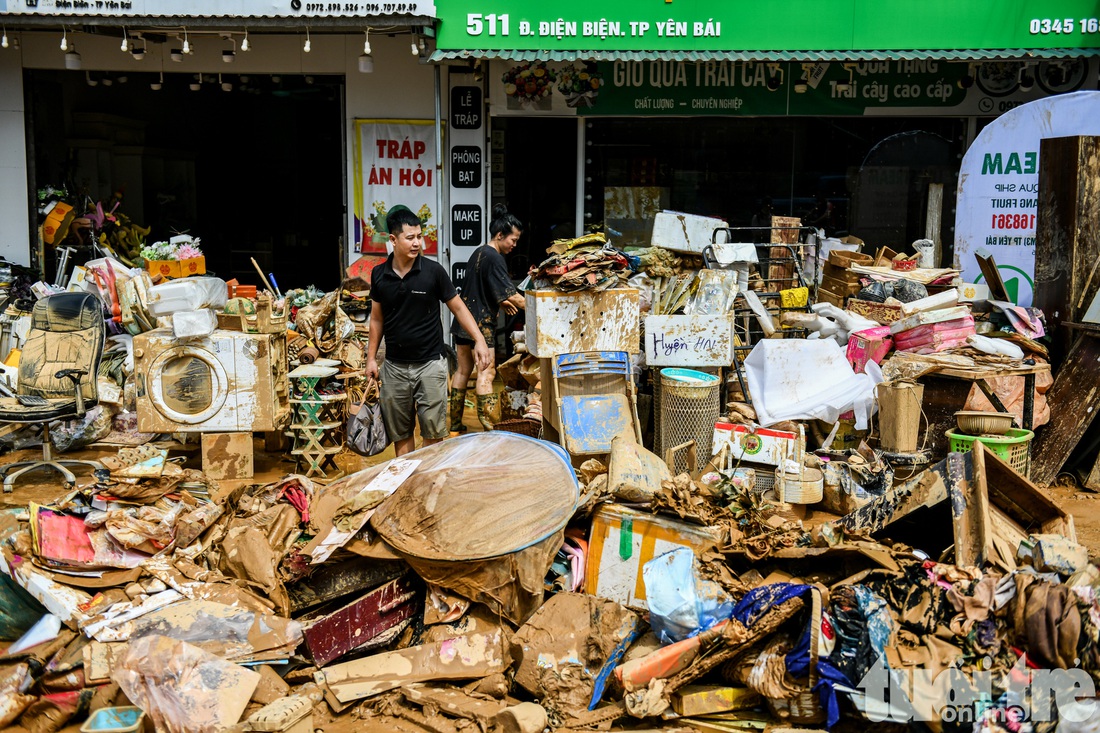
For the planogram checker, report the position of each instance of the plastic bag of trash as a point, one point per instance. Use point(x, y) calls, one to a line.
point(182, 688)
point(904, 290)
point(682, 603)
point(82, 431)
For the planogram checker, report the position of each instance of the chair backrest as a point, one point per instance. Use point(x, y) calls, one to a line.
point(66, 333)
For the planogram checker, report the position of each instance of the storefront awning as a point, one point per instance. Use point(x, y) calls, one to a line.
point(767, 56)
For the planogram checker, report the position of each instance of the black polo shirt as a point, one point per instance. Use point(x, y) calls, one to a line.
point(411, 321)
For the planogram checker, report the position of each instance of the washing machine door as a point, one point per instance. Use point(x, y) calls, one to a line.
point(187, 385)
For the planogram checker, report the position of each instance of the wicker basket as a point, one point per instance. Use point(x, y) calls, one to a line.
point(805, 707)
point(523, 426)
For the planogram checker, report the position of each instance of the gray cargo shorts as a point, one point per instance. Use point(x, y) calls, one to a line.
point(415, 390)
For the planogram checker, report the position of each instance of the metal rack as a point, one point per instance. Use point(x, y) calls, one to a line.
point(779, 267)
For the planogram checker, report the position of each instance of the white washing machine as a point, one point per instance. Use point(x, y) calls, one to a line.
point(228, 382)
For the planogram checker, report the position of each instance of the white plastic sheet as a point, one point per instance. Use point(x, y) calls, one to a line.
point(800, 379)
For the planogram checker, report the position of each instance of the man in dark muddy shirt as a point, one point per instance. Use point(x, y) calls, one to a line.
point(485, 291)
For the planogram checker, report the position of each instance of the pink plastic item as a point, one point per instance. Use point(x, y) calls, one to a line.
point(872, 344)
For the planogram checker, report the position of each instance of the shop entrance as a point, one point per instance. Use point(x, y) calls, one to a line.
point(535, 175)
point(251, 164)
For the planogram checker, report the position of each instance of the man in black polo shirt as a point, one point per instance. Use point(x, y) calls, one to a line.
point(406, 291)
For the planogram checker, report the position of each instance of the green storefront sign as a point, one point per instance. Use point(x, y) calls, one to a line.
point(737, 88)
point(798, 25)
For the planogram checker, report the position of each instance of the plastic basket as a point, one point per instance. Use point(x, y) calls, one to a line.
point(689, 407)
point(1014, 447)
point(523, 426)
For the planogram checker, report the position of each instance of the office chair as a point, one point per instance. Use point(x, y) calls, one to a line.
point(57, 376)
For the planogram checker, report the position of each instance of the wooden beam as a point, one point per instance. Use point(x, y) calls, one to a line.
point(1067, 232)
point(969, 499)
point(933, 222)
point(1074, 400)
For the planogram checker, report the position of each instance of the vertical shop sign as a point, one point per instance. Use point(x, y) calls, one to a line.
point(395, 166)
point(999, 187)
point(466, 161)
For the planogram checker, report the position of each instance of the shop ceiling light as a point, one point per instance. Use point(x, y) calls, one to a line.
point(422, 45)
point(1026, 78)
point(108, 81)
point(195, 85)
point(72, 60)
point(366, 42)
point(186, 42)
point(968, 81)
point(138, 52)
point(88, 77)
point(64, 39)
point(775, 77)
point(244, 43)
point(225, 85)
point(157, 85)
point(176, 54)
point(125, 41)
point(415, 48)
point(366, 63)
point(229, 54)
point(4, 39)
point(306, 45)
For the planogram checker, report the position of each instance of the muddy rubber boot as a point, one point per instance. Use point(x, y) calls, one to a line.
point(455, 405)
point(488, 410)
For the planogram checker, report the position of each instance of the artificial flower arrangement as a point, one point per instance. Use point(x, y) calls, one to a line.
point(180, 256)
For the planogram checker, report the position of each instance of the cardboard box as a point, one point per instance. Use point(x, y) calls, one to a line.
point(842, 288)
point(227, 455)
point(567, 323)
point(689, 341)
point(973, 292)
point(572, 636)
point(177, 268)
point(684, 232)
point(704, 699)
point(870, 345)
point(760, 445)
point(623, 540)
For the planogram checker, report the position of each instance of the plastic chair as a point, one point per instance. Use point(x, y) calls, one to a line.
point(596, 401)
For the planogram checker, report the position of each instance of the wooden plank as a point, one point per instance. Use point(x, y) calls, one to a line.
point(465, 657)
point(1020, 499)
point(1067, 233)
point(332, 635)
point(925, 490)
point(933, 223)
point(1074, 400)
point(334, 580)
point(1092, 481)
point(969, 499)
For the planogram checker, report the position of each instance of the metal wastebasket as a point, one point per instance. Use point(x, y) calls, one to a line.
point(689, 407)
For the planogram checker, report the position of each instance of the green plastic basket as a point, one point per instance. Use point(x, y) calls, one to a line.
point(1014, 447)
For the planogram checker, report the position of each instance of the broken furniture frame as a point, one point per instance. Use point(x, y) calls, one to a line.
point(993, 508)
point(779, 266)
point(316, 435)
point(595, 399)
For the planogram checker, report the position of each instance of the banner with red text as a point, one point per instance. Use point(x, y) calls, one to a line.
point(394, 166)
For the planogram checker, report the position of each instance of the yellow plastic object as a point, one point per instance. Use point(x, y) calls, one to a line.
point(795, 297)
point(13, 358)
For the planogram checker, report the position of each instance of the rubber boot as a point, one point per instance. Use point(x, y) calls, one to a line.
point(455, 405)
point(488, 410)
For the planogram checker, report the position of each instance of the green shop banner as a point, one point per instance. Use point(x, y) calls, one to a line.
point(739, 88)
point(795, 25)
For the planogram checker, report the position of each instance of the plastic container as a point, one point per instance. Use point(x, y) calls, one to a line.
point(805, 488)
point(1014, 447)
point(188, 294)
point(114, 720)
point(983, 423)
